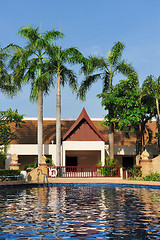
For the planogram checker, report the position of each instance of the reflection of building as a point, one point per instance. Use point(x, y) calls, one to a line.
point(82, 212)
point(84, 142)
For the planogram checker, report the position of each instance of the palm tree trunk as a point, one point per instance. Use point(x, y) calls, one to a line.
point(40, 125)
point(111, 141)
point(58, 120)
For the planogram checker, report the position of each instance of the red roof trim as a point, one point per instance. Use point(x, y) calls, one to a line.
point(84, 115)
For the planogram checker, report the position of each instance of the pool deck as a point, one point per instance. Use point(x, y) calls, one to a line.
point(85, 181)
point(101, 180)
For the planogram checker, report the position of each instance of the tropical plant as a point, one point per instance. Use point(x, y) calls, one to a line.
point(135, 173)
point(110, 162)
point(59, 66)
point(6, 118)
point(32, 165)
point(29, 64)
point(152, 177)
point(106, 69)
point(151, 97)
point(132, 109)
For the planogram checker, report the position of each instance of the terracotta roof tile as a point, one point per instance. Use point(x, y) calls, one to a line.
point(28, 133)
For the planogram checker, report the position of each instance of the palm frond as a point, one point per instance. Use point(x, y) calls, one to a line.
point(115, 53)
point(98, 63)
point(51, 35)
point(72, 56)
point(86, 84)
point(7, 85)
point(68, 76)
point(127, 70)
point(105, 78)
point(30, 33)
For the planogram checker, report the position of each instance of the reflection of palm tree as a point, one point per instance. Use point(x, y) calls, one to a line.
point(30, 64)
point(107, 68)
point(60, 59)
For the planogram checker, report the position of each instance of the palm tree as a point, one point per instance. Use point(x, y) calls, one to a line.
point(105, 69)
point(7, 85)
point(29, 64)
point(60, 61)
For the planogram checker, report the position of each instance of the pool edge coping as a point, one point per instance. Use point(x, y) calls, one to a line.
point(134, 184)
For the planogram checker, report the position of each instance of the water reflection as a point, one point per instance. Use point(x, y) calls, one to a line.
point(79, 213)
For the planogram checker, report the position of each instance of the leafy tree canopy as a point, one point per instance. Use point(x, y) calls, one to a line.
point(128, 104)
point(7, 117)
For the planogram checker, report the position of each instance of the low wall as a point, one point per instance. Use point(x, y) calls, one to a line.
point(150, 165)
point(38, 174)
point(156, 164)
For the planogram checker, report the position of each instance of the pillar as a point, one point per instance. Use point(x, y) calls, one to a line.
point(145, 163)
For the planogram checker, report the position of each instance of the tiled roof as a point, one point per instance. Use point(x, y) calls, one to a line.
point(28, 133)
point(89, 131)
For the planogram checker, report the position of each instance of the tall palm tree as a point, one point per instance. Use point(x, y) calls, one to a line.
point(60, 61)
point(30, 65)
point(105, 69)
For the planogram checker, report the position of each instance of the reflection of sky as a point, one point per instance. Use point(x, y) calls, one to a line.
point(80, 212)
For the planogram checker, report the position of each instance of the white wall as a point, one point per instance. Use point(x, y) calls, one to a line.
point(83, 146)
point(29, 149)
point(50, 149)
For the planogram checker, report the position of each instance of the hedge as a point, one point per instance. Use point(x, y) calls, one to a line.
point(7, 172)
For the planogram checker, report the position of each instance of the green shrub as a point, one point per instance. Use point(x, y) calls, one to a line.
point(152, 177)
point(31, 166)
point(7, 172)
point(50, 163)
point(34, 165)
point(108, 172)
point(135, 173)
point(109, 163)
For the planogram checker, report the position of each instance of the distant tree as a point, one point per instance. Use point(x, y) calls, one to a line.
point(105, 69)
point(29, 64)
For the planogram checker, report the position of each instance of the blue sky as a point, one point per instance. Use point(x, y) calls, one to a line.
point(93, 26)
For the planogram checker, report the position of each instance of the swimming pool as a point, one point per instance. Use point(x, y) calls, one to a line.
point(83, 212)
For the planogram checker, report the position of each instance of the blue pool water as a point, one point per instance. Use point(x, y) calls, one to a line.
point(84, 212)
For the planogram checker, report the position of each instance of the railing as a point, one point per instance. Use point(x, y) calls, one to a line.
point(87, 171)
point(45, 175)
point(134, 172)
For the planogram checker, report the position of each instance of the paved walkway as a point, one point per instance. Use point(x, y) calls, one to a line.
point(101, 180)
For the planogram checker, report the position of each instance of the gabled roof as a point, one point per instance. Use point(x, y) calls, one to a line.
point(81, 133)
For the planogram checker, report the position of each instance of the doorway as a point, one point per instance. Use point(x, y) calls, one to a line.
point(71, 161)
point(127, 162)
